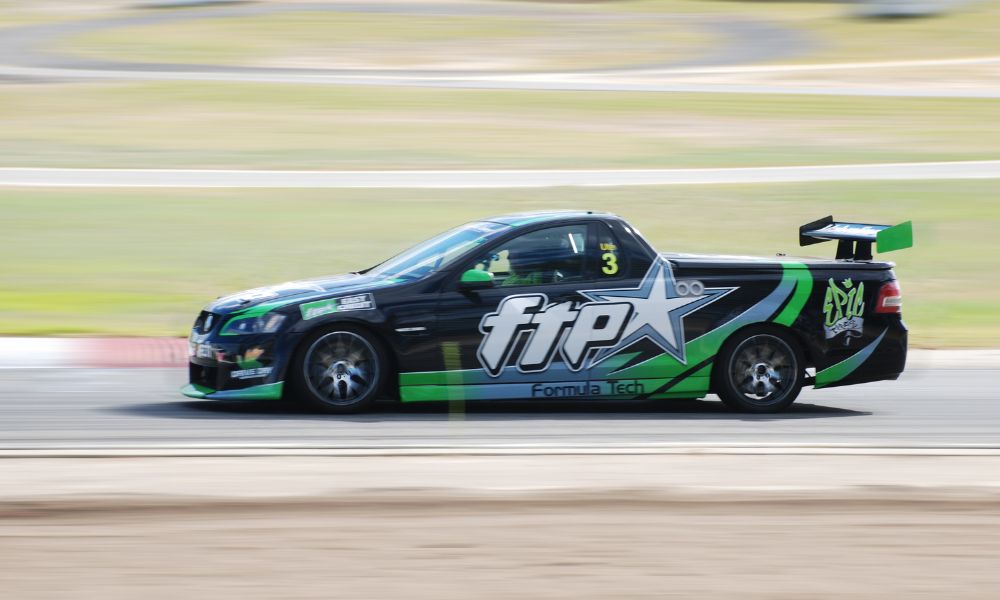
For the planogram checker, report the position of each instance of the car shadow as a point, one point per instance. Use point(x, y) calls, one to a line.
point(681, 410)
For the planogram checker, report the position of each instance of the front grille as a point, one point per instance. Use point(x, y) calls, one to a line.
point(206, 376)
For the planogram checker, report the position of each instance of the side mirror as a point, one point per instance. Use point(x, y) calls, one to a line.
point(474, 279)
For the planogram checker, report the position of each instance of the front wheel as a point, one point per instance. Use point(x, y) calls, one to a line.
point(340, 370)
point(759, 370)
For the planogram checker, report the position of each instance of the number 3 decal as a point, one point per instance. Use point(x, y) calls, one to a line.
point(610, 263)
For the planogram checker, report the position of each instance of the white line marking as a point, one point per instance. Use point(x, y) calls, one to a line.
point(841, 66)
point(494, 178)
point(621, 80)
point(693, 448)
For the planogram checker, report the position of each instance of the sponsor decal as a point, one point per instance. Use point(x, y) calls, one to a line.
point(356, 302)
point(843, 310)
point(853, 229)
point(312, 310)
point(585, 333)
point(571, 389)
point(248, 360)
point(251, 373)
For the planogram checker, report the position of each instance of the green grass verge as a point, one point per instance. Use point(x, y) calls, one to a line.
point(145, 261)
point(326, 127)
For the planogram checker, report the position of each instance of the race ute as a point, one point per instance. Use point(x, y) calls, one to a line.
point(569, 304)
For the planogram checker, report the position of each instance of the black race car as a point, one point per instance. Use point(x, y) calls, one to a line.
point(563, 305)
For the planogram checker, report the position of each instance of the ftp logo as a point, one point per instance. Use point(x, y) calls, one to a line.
point(591, 325)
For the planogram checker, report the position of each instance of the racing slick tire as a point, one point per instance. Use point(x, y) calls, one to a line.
point(759, 370)
point(340, 370)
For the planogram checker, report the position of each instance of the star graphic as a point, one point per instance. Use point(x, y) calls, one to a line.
point(658, 311)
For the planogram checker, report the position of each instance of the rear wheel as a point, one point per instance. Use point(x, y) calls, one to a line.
point(340, 370)
point(759, 370)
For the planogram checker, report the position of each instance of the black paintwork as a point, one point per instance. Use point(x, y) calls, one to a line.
point(448, 314)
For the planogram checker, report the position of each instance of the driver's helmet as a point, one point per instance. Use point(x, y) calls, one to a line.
point(529, 256)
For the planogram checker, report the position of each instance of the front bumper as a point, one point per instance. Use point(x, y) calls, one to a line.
point(237, 367)
point(264, 391)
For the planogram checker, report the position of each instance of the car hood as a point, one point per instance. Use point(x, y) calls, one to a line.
point(303, 290)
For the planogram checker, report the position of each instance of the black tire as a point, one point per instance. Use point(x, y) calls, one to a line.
point(759, 370)
point(340, 370)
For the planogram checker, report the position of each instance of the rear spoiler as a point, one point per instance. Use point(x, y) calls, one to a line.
point(855, 239)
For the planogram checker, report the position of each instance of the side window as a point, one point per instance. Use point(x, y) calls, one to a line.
point(611, 259)
point(543, 257)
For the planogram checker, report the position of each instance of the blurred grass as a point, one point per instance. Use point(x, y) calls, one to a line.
point(334, 39)
point(967, 29)
point(382, 40)
point(226, 125)
point(144, 261)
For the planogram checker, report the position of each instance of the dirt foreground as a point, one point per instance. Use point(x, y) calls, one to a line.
point(443, 527)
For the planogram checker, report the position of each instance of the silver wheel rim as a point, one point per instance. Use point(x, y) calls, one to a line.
point(340, 368)
point(763, 369)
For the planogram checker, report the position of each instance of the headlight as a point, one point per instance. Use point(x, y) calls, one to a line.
point(268, 323)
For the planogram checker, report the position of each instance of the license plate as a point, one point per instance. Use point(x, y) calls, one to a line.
point(202, 351)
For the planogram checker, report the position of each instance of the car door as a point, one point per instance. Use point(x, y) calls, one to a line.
point(527, 336)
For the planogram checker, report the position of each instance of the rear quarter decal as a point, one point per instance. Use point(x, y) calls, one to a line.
point(843, 310)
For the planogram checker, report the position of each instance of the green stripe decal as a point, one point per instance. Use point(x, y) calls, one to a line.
point(267, 391)
point(694, 385)
point(707, 346)
point(263, 308)
point(835, 373)
point(426, 393)
point(803, 288)
point(795, 287)
point(424, 378)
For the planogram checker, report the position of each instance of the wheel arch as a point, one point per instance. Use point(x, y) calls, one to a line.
point(366, 327)
point(800, 339)
point(772, 398)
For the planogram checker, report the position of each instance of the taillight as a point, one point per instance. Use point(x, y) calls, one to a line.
point(890, 298)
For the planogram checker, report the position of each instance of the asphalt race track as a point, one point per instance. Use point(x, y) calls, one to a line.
point(141, 408)
point(742, 40)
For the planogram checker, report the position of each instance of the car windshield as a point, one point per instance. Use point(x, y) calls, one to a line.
point(437, 252)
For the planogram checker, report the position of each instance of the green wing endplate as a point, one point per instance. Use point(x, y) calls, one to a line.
point(896, 237)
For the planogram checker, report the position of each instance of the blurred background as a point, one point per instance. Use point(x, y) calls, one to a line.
point(152, 157)
point(467, 85)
